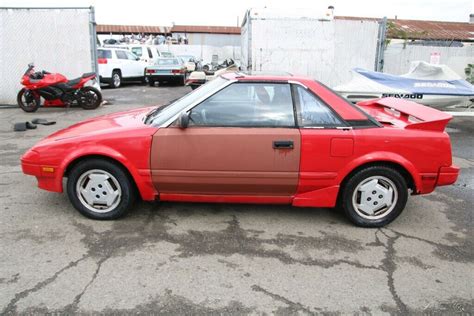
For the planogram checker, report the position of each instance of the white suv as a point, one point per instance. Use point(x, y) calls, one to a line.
point(117, 65)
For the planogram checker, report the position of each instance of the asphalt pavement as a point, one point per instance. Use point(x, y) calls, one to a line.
point(187, 258)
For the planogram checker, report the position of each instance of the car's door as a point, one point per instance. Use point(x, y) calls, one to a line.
point(240, 141)
point(137, 66)
point(124, 63)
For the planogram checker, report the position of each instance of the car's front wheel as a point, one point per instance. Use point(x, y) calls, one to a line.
point(100, 189)
point(374, 196)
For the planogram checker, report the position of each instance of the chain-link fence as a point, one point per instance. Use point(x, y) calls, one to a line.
point(55, 39)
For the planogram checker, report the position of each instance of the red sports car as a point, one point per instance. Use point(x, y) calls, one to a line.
point(252, 139)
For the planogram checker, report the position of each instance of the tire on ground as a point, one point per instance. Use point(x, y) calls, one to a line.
point(350, 186)
point(23, 106)
point(113, 82)
point(96, 104)
point(128, 189)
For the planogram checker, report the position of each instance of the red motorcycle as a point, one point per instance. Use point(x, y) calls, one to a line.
point(57, 91)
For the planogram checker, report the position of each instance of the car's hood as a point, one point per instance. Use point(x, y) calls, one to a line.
point(104, 124)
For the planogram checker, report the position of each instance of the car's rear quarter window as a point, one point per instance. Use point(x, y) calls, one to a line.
point(104, 53)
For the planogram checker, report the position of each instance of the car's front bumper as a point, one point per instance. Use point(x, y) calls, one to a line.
point(48, 176)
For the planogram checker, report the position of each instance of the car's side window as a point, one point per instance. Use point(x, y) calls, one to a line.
point(150, 55)
point(104, 53)
point(121, 54)
point(131, 56)
point(312, 112)
point(137, 51)
point(247, 105)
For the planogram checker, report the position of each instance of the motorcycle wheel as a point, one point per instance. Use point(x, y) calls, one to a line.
point(27, 101)
point(89, 98)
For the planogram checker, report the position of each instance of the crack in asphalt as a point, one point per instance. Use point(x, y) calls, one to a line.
point(389, 266)
point(73, 307)
point(443, 250)
point(293, 306)
point(11, 280)
point(11, 307)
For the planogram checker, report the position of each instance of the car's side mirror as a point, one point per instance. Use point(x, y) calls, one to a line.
point(183, 120)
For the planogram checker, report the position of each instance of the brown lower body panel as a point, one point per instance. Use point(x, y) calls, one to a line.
point(225, 182)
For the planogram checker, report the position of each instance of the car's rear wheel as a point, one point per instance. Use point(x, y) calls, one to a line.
point(151, 82)
point(100, 189)
point(374, 196)
point(116, 80)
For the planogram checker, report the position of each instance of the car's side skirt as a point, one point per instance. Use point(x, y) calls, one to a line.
point(325, 197)
point(207, 198)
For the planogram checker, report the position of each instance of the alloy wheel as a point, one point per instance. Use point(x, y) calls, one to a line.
point(375, 197)
point(98, 190)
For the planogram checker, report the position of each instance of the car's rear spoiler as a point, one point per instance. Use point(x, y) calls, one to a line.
point(406, 114)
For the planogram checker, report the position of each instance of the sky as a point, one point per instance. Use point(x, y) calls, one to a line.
point(229, 13)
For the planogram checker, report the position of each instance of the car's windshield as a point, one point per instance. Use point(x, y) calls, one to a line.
point(167, 61)
point(161, 115)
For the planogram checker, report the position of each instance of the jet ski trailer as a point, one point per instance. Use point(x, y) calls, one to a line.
point(433, 85)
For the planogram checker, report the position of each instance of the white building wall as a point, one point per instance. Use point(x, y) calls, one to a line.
point(355, 46)
point(309, 46)
point(46, 37)
point(245, 46)
point(211, 39)
point(398, 58)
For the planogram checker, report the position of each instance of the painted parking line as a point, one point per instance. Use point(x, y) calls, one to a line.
point(467, 113)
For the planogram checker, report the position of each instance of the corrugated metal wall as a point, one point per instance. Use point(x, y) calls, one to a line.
point(324, 50)
point(398, 58)
point(46, 37)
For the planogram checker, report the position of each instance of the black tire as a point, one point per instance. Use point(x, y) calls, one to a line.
point(194, 87)
point(151, 82)
point(33, 102)
point(121, 205)
point(116, 79)
point(182, 81)
point(381, 173)
point(90, 99)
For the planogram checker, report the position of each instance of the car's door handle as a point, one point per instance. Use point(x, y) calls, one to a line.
point(283, 144)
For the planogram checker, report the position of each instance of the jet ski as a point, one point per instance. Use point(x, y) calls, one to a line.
point(432, 85)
